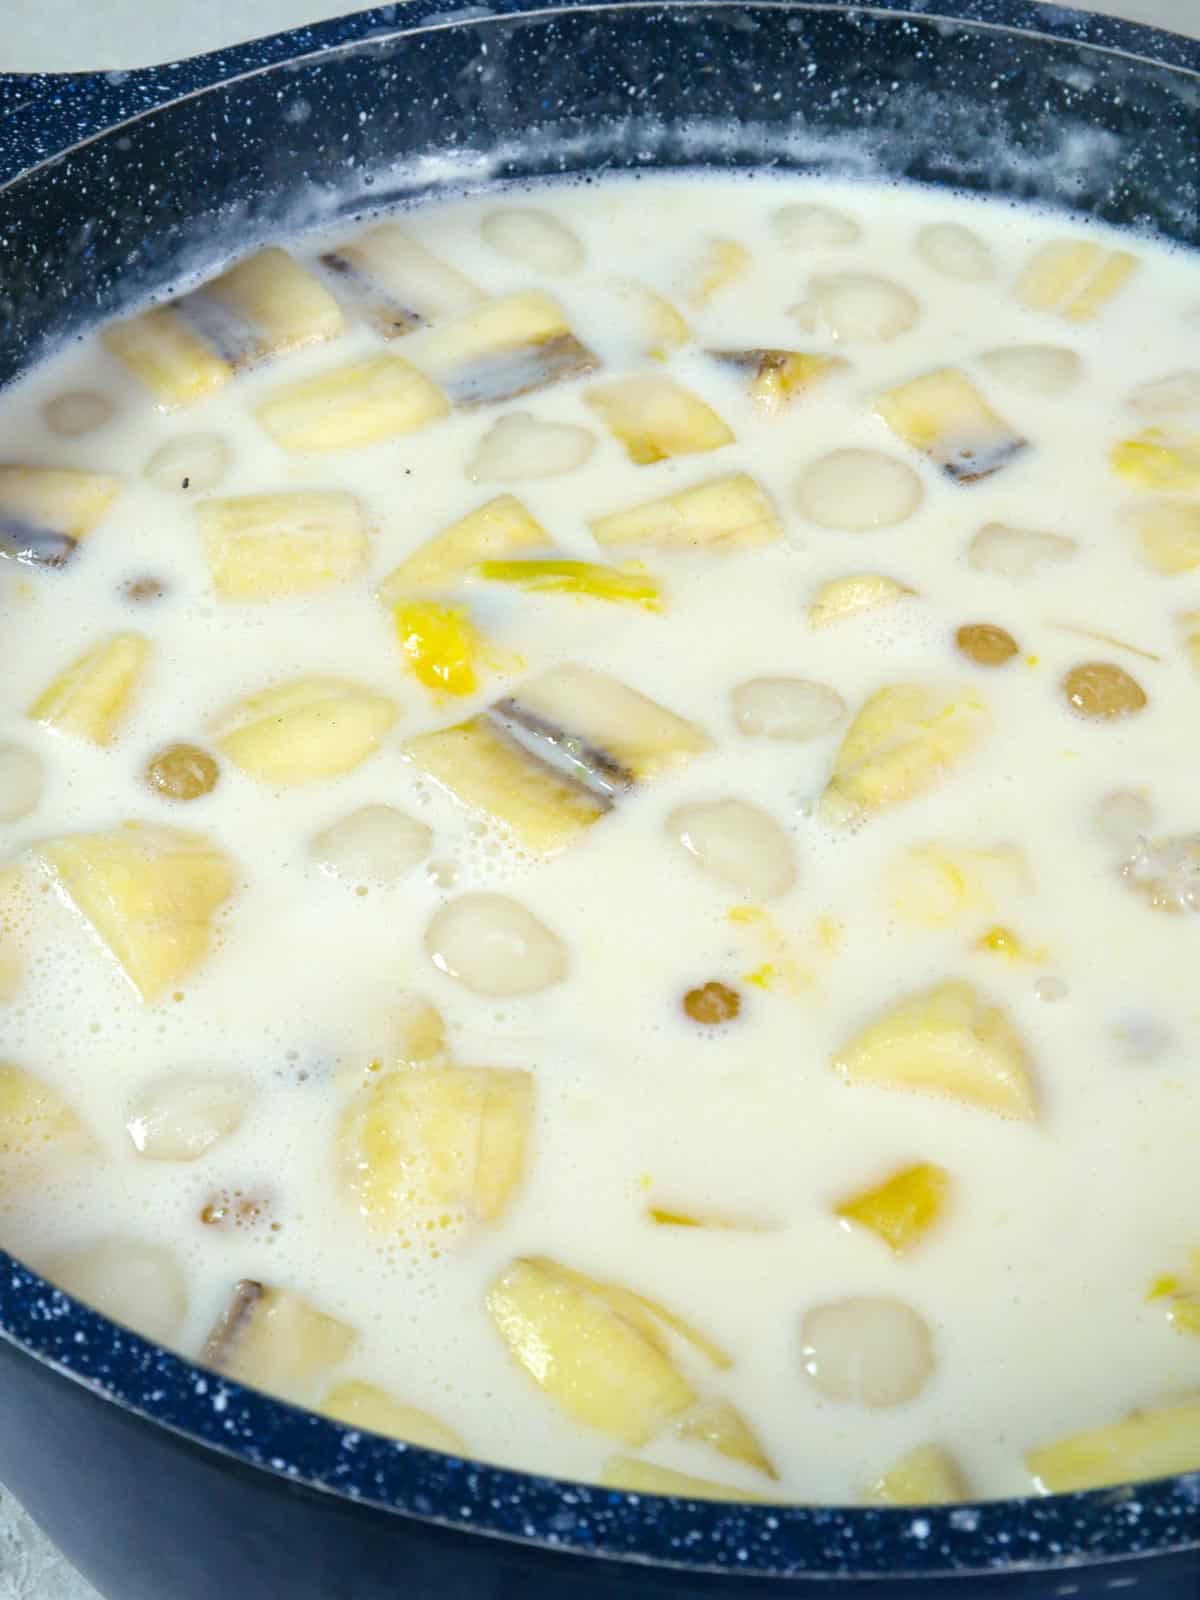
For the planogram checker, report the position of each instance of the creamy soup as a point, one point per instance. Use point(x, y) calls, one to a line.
point(598, 831)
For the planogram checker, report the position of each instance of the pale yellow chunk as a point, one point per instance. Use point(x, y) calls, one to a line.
point(35, 1120)
point(774, 378)
point(267, 546)
point(643, 737)
point(933, 885)
point(1147, 1444)
point(401, 283)
point(905, 738)
point(497, 530)
point(348, 407)
point(1190, 623)
point(1159, 458)
point(55, 500)
point(718, 516)
point(427, 1147)
point(306, 729)
point(276, 1340)
point(657, 419)
point(722, 1427)
point(902, 1209)
point(489, 773)
point(945, 1041)
point(281, 302)
point(944, 416)
point(150, 894)
point(92, 697)
point(163, 351)
point(599, 1361)
point(362, 1405)
point(851, 596)
point(507, 347)
point(1168, 534)
point(926, 1476)
point(643, 1477)
point(663, 328)
point(721, 263)
point(1074, 278)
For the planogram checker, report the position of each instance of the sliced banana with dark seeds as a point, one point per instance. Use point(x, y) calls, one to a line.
point(275, 1340)
point(397, 284)
point(506, 347)
point(777, 377)
point(45, 512)
point(943, 415)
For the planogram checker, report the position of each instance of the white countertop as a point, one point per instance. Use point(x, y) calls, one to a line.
point(65, 36)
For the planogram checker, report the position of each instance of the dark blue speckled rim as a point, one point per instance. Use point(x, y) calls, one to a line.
point(43, 116)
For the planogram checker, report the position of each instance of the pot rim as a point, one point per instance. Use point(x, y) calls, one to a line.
point(1055, 1533)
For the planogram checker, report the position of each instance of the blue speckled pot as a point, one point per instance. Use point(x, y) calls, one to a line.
point(161, 1482)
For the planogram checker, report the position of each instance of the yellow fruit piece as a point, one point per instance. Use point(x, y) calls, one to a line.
point(664, 329)
point(169, 356)
point(657, 419)
point(443, 646)
point(1153, 1443)
point(1168, 534)
point(587, 579)
point(842, 598)
point(650, 1315)
point(673, 1216)
point(903, 1208)
point(595, 1351)
point(507, 347)
point(1158, 459)
point(944, 416)
point(280, 304)
point(149, 892)
point(306, 729)
point(35, 1119)
point(277, 1341)
point(905, 738)
point(721, 1426)
point(496, 531)
point(1074, 278)
point(488, 772)
point(53, 500)
point(93, 695)
point(398, 283)
point(425, 1146)
point(266, 546)
point(722, 263)
point(777, 377)
point(932, 885)
point(643, 1477)
point(1001, 941)
point(1183, 1295)
point(926, 1476)
point(347, 407)
point(945, 1041)
point(720, 515)
point(362, 1405)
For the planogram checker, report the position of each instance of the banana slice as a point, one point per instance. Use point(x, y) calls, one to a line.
point(499, 530)
point(506, 347)
point(1074, 278)
point(553, 758)
point(643, 1477)
point(149, 893)
point(1017, 552)
point(91, 698)
point(1159, 458)
point(1155, 1443)
point(944, 416)
point(718, 516)
point(774, 378)
point(934, 885)
point(721, 263)
point(902, 1209)
point(945, 1041)
point(35, 1121)
point(277, 1341)
point(168, 356)
point(520, 446)
point(351, 406)
point(587, 580)
point(657, 419)
point(362, 1405)
point(267, 546)
point(662, 328)
point(398, 284)
point(306, 729)
point(927, 1476)
point(141, 1285)
point(1167, 532)
point(45, 512)
point(852, 596)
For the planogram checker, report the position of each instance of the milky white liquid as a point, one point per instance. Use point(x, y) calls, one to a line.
point(1034, 1283)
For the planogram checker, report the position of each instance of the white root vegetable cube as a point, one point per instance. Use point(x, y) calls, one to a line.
point(166, 353)
point(399, 284)
point(307, 729)
point(191, 463)
point(183, 1115)
point(497, 530)
point(363, 1405)
point(92, 696)
point(926, 1476)
point(718, 516)
point(375, 844)
point(505, 348)
point(657, 419)
point(268, 546)
point(430, 1147)
point(943, 415)
point(1155, 1443)
point(857, 491)
point(349, 407)
point(149, 892)
point(520, 446)
point(277, 1341)
point(955, 252)
point(1074, 278)
point(1044, 369)
point(945, 1041)
point(856, 308)
point(46, 511)
point(139, 1284)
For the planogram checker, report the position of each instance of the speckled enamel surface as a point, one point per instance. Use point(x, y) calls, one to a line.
point(1145, 170)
